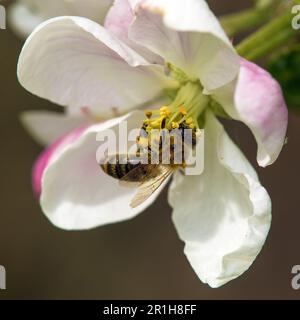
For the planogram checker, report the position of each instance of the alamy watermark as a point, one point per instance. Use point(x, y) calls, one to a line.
point(296, 19)
point(2, 278)
point(296, 279)
point(175, 147)
point(2, 18)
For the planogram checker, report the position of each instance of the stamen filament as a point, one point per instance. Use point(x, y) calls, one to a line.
point(183, 112)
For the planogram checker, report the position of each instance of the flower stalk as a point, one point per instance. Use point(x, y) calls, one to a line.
point(245, 20)
point(270, 37)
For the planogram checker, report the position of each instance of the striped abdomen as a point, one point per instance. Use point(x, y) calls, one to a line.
point(117, 170)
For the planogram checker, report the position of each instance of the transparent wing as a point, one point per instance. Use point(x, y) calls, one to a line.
point(148, 187)
point(140, 174)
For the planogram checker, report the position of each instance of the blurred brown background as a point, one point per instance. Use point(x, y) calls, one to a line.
point(138, 259)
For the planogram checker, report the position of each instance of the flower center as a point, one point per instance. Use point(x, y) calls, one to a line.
point(185, 110)
point(172, 131)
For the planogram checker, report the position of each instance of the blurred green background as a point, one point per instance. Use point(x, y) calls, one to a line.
point(138, 259)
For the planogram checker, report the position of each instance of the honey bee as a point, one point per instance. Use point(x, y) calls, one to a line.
point(132, 172)
point(149, 177)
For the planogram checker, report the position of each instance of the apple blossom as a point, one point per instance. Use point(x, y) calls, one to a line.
point(25, 15)
point(165, 52)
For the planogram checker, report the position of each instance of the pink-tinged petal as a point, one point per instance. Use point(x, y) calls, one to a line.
point(48, 154)
point(46, 127)
point(118, 21)
point(77, 193)
point(256, 99)
point(119, 18)
point(187, 35)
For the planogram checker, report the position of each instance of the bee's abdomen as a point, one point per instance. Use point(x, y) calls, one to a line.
point(118, 170)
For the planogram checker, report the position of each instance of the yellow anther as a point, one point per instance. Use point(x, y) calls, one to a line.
point(190, 121)
point(164, 108)
point(183, 110)
point(148, 114)
point(175, 125)
point(165, 111)
point(157, 123)
point(191, 126)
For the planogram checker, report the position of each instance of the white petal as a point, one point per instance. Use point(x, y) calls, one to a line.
point(187, 34)
point(45, 127)
point(226, 214)
point(50, 153)
point(77, 194)
point(22, 20)
point(26, 15)
point(118, 20)
point(75, 62)
point(256, 99)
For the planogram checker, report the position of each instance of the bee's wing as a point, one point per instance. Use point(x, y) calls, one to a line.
point(148, 187)
point(140, 174)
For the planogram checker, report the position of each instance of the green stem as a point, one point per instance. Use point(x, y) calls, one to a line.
point(250, 18)
point(268, 38)
point(269, 46)
point(245, 20)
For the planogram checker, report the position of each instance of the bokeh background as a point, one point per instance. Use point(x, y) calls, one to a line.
point(138, 259)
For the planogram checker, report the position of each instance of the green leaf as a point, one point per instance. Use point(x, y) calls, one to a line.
point(285, 67)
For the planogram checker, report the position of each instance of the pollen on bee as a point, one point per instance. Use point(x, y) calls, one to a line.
point(146, 122)
point(189, 121)
point(175, 125)
point(143, 142)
